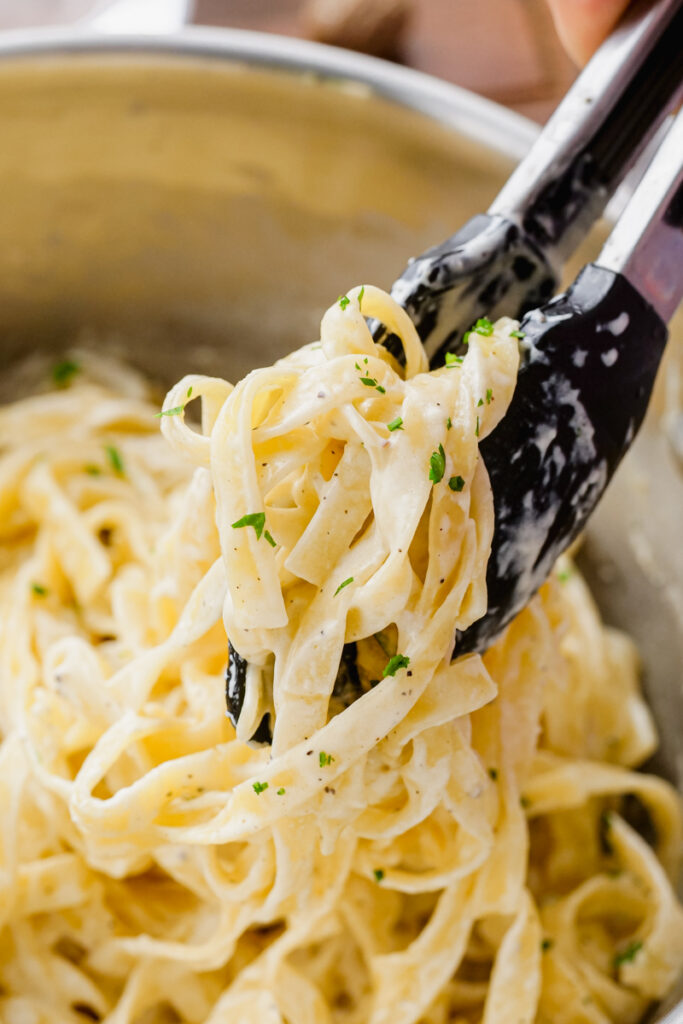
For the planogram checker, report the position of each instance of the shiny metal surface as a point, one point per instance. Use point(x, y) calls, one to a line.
point(599, 129)
point(198, 201)
point(646, 245)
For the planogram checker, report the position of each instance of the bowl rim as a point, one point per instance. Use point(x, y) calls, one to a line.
point(476, 118)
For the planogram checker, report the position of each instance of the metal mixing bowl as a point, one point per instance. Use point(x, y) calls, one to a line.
point(196, 203)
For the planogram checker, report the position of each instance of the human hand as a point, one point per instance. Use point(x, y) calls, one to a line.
point(583, 24)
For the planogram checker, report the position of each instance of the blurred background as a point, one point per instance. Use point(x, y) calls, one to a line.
point(506, 50)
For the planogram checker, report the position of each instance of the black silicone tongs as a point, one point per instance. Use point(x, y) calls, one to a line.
point(509, 260)
point(588, 357)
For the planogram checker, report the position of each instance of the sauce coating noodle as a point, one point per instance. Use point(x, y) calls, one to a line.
point(457, 844)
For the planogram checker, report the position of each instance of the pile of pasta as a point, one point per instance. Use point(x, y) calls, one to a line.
point(463, 841)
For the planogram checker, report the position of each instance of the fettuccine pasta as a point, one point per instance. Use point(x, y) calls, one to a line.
point(388, 833)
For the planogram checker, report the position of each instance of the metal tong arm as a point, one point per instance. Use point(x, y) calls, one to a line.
point(599, 129)
point(588, 366)
point(646, 245)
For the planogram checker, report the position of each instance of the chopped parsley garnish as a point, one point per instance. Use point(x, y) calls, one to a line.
point(449, 423)
point(480, 402)
point(379, 874)
point(395, 663)
point(281, 791)
point(517, 334)
point(39, 590)
point(255, 519)
point(483, 326)
point(325, 759)
point(564, 575)
point(546, 944)
point(628, 955)
point(259, 787)
point(493, 772)
point(437, 465)
point(476, 429)
point(63, 373)
point(343, 301)
point(396, 424)
point(452, 360)
point(370, 382)
point(269, 537)
point(189, 391)
point(361, 293)
point(176, 411)
point(456, 483)
point(92, 470)
point(489, 396)
point(342, 585)
point(115, 460)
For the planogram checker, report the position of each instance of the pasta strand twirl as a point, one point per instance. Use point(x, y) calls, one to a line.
point(425, 840)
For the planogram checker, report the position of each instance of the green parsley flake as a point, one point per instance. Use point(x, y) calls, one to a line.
point(546, 944)
point(281, 791)
point(628, 955)
point(453, 360)
point(493, 772)
point(189, 391)
point(379, 874)
point(437, 465)
point(325, 759)
point(115, 460)
point(449, 423)
point(489, 396)
point(63, 373)
point(517, 334)
point(361, 293)
point(394, 664)
point(564, 575)
point(170, 412)
point(259, 787)
point(483, 326)
point(456, 483)
point(343, 301)
point(92, 470)
point(396, 424)
point(370, 382)
point(255, 519)
point(476, 429)
point(342, 585)
point(39, 590)
point(269, 537)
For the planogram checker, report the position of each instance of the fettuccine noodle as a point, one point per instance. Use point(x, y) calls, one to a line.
point(419, 840)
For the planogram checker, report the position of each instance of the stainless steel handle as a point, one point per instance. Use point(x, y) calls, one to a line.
point(599, 129)
point(646, 245)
